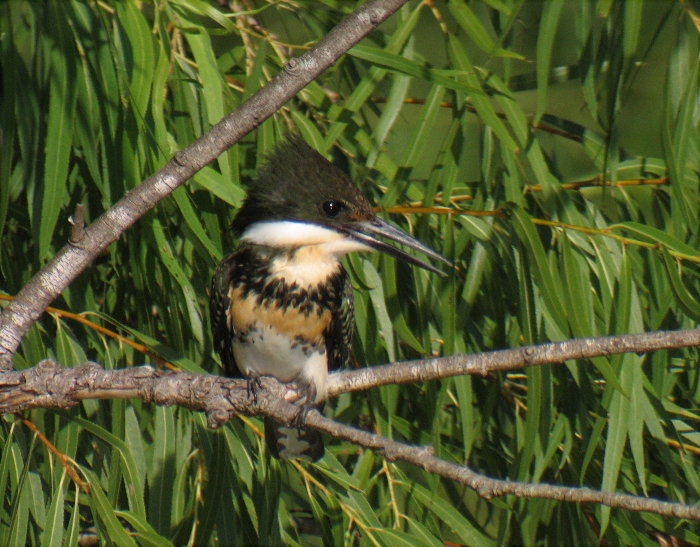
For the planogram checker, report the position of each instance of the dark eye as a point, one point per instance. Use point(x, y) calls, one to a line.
point(332, 208)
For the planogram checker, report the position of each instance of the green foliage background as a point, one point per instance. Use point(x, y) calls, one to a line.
point(95, 96)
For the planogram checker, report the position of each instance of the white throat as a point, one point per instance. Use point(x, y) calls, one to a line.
point(289, 233)
point(315, 251)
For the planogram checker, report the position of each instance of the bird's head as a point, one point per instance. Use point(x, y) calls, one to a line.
point(300, 198)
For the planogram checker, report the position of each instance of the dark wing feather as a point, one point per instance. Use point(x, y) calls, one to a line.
point(222, 329)
point(338, 336)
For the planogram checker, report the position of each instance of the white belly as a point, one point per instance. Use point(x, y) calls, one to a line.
point(266, 352)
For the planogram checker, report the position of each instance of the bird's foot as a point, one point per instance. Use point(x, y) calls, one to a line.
point(300, 419)
point(306, 402)
point(253, 385)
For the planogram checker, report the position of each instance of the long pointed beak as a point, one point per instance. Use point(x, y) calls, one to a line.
point(367, 232)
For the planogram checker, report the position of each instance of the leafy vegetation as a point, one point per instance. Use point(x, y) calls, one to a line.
point(550, 149)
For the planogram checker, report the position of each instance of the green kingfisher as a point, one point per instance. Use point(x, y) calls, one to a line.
point(282, 304)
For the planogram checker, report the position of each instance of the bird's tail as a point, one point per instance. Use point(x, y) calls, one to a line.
point(289, 443)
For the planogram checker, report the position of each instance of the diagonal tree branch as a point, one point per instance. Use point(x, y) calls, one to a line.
point(488, 487)
point(72, 259)
point(49, 385)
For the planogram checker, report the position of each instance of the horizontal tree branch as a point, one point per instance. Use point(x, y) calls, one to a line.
point(48, 385)
point(423, 370)
point(73, 258)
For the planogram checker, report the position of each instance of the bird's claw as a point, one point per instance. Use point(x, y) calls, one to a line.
point(253, 385)
point(300, 418)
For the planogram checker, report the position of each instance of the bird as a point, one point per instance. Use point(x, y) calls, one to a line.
point(281, 304)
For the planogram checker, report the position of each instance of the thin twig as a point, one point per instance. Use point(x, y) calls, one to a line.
point(66, 462)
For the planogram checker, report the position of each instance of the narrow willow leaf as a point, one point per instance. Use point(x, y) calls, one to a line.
point(411, 68)
point(140, 58)
point(59, 136)
point(473, 28)
point(636, 420)
point(392, 301)
point(135, 490)
point(389, 116)
point(538, 413)
point(546, 37)
point(308, 131)
point(376, 294)
point(256, 77)
point(222, 188)
point(425, 128)
point(397, 537)
point(513, 111)
point(213, 88)
point(616, 437)
point(578, 292)
point(422, 534)
point(680, 135)
point(364, 88)
point(162, 470)
point(684, 298)
point(553, 446)
point(200, 7)
point(73, 528)
point(655, 235)
point(633, 28)
point(482, 103)
point(104, 514)
point(143, 532)
point(455, 521)
point(166, 254)
point(192, 220)
point(550, 283)
point(354, 497)
point(53, 532)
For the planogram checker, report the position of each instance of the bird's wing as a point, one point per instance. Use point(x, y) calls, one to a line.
point(338, 336)
point(222, 328)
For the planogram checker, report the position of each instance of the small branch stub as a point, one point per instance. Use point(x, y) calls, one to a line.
point(77, 222)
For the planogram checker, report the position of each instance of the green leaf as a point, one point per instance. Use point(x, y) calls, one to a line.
point(188, 212)
point(546, 37)
point(633, 28)
point(104, 513)
point(59, 136)
point(173, 266)
point(135, 492)
point(618, 423)
point(223, 189)
point(143, 531)
point(53, 532)
point(548, 280)
point(684, 297)
point(425, 129)
point(376, 295)
point(482, 103)
point(398, 63)
point(456, 522)
point(655, 235)
point(205, 9)
point(475, 30)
